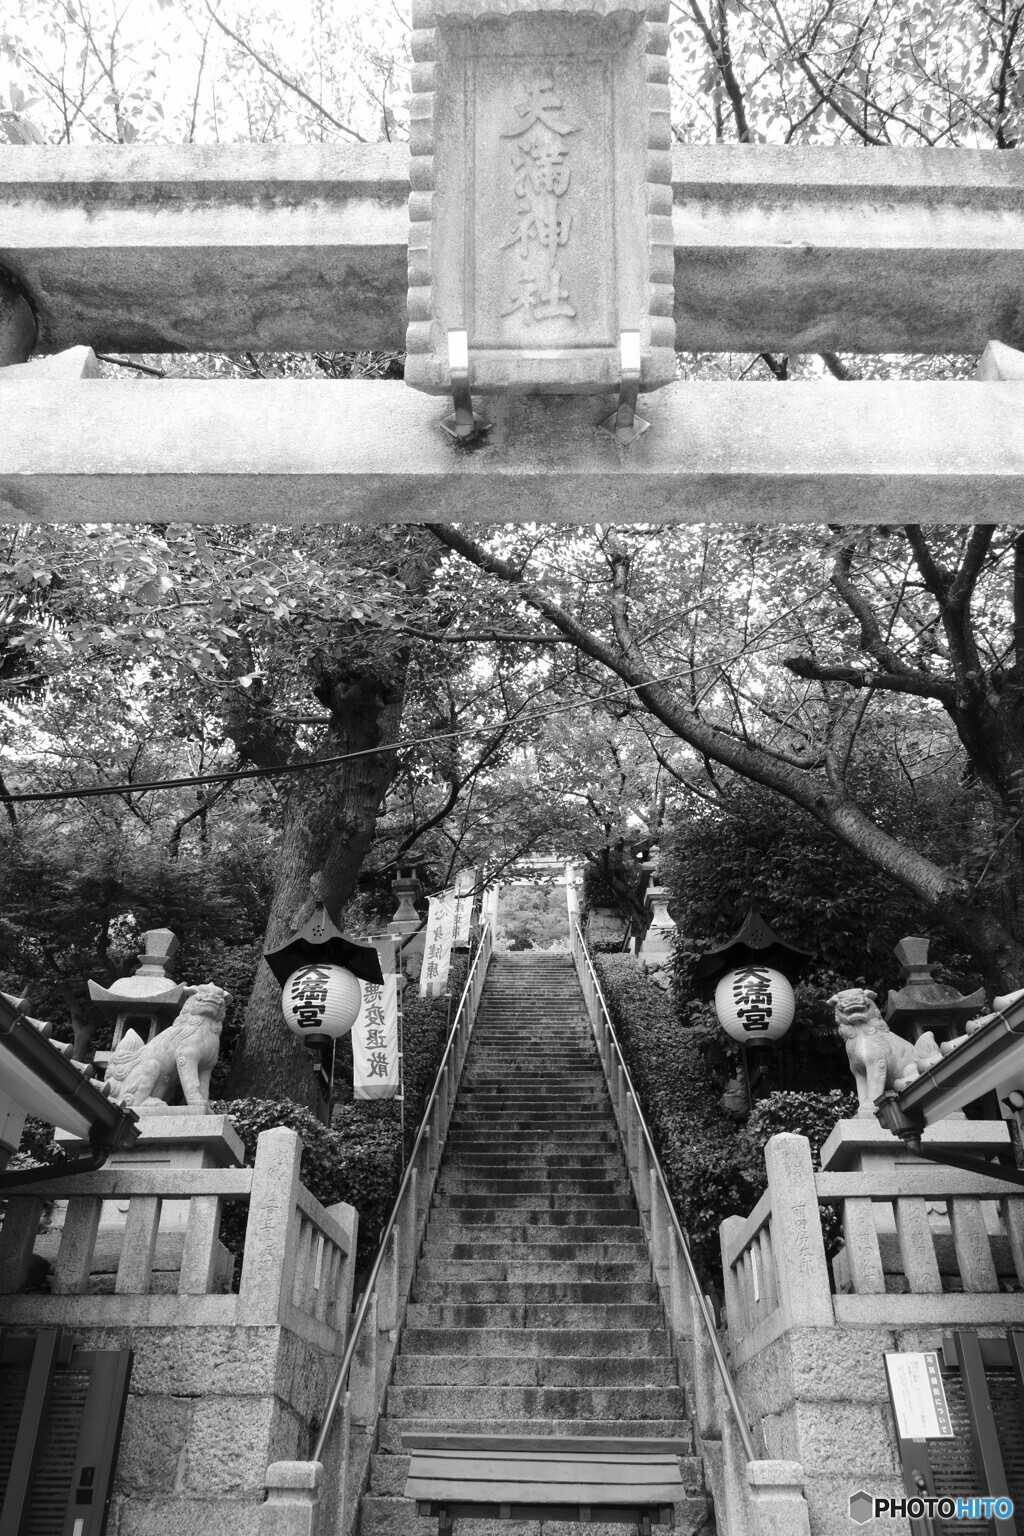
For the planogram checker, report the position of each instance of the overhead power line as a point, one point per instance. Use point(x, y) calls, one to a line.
point(192, 781)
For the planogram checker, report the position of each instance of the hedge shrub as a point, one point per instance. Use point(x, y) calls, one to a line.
point(714, 1169)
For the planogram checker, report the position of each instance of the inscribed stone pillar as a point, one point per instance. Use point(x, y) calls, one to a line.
point(541, 203)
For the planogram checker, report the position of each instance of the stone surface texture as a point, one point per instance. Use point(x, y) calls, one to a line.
point(777, 247)
point(209, 1409)
point(541, 199)
point(370, 452)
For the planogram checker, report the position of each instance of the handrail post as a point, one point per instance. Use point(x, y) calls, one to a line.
point(408, 1225)
point(388, 1286)
point(797, 1243)
point(422, 1169)
point(363, 1374)
point(659, 1225)
point(680, 1314)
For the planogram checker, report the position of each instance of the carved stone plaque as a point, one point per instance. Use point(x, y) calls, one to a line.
point(541, 206)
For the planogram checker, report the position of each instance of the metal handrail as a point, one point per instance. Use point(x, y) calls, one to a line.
point(707, 1316)
point(338, 1390)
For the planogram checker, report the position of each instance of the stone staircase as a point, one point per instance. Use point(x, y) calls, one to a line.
point(533, 1310)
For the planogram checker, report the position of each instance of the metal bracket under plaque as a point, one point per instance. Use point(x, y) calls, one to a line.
point(624, 424)
point(462, 423)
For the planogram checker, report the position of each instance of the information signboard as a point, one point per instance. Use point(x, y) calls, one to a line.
point(918, 1396)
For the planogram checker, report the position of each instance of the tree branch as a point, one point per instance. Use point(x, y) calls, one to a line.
point(861, 677)
point(290, 85)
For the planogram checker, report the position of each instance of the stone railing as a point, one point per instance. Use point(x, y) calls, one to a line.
point(296, 1273)
point(319, 1497)
point(900, 1265)
point(925, 1248)
point(754, 1495)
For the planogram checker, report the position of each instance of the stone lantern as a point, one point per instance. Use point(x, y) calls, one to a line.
point(149, 996)
point(656, 946)
point(922, 1003)
point(407, 888)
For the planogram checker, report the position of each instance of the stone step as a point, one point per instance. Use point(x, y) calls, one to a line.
point(441, 1403)
point(521, 1343)
point(510, 1293)
point(555, 1098)
point(511, 1129)
point(555, 1138)
point(392, 1427)
point(395, 1516)
point(436, 1314)
point(455, 1182)
point(449, 1217)
point(452, 1251)
point(557, 1162)
point(536, 1201)
point(433, 1269)
point(534, 1371)
point(588, 1142)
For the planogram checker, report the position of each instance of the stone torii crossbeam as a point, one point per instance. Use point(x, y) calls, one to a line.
point(791, 249)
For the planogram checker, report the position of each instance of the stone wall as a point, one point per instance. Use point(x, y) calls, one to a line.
point(208, 1410)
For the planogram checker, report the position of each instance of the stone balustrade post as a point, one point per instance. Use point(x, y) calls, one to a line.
point(20, 1230)
point(660, 1228)
point(388, 1281)
point(293, 1499)
point(777, 1503)
point(735, 1304)
point(680, 1315)
point(421, 1173)
point(632, 1136)
point(270, 1231)
point(797, 1242)
point(408, 1223)
point(362, 1379)
point(705, 1377)
point(347, 1218)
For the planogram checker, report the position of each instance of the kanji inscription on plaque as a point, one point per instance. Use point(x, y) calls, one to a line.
point(541, 193)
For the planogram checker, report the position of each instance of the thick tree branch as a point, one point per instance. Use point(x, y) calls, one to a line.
point(917, 684)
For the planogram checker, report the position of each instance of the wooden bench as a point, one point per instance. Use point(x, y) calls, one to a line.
point(514, 1477)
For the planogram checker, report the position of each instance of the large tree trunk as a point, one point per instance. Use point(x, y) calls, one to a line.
point(328, 828)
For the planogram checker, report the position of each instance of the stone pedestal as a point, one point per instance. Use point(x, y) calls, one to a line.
point(170, 1136)
point(605, 926)
point(656, 947)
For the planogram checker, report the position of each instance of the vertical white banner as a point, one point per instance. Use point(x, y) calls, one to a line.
point(489, 908)
point(437, 949)
point(375, 1064)
point(465, 885)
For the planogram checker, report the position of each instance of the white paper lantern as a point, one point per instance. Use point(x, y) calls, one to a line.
point(321, 1001)
point(754, 1003)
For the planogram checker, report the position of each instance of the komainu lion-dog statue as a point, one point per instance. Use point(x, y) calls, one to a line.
point(186, 1053)
point(878, 1058)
